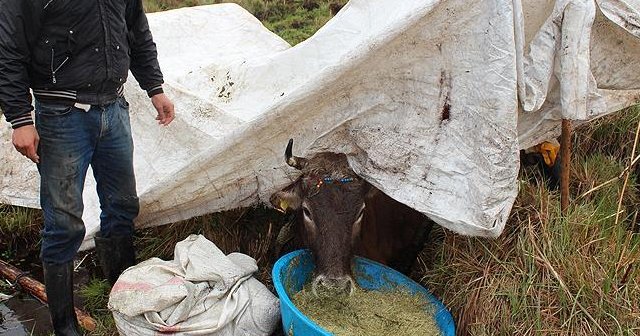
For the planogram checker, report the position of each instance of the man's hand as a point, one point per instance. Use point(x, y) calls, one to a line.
point(164, 106)
point(25, 140)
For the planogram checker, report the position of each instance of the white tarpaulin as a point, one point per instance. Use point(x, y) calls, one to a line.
point(421, 95)
point(200, 292)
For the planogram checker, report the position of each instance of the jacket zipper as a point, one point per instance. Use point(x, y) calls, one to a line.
point(53, 71)
point(107, 36)
point(47, 5)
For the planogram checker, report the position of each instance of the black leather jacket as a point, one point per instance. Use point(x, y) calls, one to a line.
point(69, 49)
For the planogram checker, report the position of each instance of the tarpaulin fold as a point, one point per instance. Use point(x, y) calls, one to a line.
point(430, 101)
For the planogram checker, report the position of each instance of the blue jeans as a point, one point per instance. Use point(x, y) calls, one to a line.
point(71, 140)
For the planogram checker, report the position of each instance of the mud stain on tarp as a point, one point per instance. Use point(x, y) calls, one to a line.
point(444, 97)
point(446, 110)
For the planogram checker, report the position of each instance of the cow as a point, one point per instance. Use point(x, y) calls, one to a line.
point(340, 214)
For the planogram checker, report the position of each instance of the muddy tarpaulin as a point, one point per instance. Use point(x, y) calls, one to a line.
point(430, 100)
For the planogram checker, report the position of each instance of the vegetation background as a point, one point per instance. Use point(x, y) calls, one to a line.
point(548, 274)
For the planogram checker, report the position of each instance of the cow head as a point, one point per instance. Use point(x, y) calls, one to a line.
point(329, 197)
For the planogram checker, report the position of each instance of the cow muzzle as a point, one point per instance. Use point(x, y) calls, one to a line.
point(328, 286)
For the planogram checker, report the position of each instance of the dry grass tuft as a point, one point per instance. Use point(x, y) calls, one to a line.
point(549, 274)
point(19, 231)
point(251, 231)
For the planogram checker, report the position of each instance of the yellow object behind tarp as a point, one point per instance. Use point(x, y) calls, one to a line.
point(549, 151)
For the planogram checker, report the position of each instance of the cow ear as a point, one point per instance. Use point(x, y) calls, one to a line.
point(287, 199)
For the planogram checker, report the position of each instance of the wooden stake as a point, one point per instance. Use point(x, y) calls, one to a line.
point(36, 289)
point(565, 154)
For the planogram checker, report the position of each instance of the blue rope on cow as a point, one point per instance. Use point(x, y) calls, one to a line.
point(330, 180)
point(341, 180)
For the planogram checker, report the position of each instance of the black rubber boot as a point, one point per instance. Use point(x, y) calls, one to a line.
point(115, 255)
point(58, 280)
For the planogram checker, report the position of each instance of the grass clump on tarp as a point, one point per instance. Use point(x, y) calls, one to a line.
point(367, 313)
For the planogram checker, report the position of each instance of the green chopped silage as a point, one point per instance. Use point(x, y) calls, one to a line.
point(366, 313)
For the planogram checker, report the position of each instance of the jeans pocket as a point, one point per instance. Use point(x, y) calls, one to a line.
point(50, 109)
point(123, 103)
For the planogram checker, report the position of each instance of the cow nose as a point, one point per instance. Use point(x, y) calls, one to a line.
point(330, 286)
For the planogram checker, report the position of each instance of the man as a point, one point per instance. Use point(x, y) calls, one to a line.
point(75, 56)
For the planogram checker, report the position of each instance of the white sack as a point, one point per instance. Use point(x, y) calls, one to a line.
point(200, 292)
point(422, 96)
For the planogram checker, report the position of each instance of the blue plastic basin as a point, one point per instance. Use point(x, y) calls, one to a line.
point(292, 271)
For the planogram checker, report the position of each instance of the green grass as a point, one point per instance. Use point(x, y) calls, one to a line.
point(17, 220)
point(612, 135)
point(95, 296)
point(293, 20)
point(19, 229)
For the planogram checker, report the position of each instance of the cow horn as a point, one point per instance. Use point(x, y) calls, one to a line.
point(293, 161)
